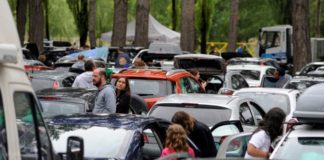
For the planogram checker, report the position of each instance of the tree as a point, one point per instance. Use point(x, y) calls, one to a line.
point(204, 8)
point(92, 23)
point(187, 39)
point(318, 19)
point(282, 10)
point(174, 15)
point(79, 10)
point(21, 19)
point(47, 32)
point(233, 26)
point(301, 33)
point(36, 24)
point(142, 22)
point(120, 23)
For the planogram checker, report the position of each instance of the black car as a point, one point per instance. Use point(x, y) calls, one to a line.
point(78, 100)
point(66, 100)
point(51, 79)
point(110, 136)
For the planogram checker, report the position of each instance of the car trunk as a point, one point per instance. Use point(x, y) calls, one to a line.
point(205, 64)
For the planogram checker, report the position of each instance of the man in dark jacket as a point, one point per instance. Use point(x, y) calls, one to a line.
point(198, 132)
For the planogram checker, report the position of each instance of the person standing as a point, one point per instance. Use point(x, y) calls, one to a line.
point(282, 77)
point(79, 65)
point(84, 80)
point(269, 129)
point(196, 74)
point(198, 132)
point(176, 141)
point(123, 95)
point(105, 101)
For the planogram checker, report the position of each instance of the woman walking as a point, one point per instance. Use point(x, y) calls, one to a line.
point(123, 95)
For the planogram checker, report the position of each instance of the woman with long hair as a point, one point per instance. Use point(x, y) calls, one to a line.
point(269, 129)
point(122, 95)
point(176, 141)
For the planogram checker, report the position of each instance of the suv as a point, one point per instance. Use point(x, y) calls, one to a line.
point(23, 133)
point(154, 84)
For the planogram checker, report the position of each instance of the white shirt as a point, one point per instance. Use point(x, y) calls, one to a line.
point(261, 141)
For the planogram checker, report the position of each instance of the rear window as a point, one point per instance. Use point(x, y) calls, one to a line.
point(250, 74)
point(302, 85)
point(54, 108)
point(149, 87)
point(189, 63)
point(209, 116)
point(39, 84)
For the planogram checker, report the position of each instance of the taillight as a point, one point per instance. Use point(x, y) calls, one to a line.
point(49, 98)
point(56, 85)
point(145, 138)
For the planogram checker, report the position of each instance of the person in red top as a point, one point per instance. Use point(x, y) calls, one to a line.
point(176, 141)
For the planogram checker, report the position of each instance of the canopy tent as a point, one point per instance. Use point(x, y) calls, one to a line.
point(157, 32)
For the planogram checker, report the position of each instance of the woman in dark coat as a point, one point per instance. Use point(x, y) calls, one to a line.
point(123, 95)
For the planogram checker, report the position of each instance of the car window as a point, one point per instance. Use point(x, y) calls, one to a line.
point(257, 112)
point(246, 117)
point(194, 85)
point(3, 133)
point(243, 83)
point(56, 107)
point(31, 129)
point(237, 147)
point(151, 148)
point(67, 82)
point(185, 85)
point(235, 83)
point(39, 84)
point(152, 87)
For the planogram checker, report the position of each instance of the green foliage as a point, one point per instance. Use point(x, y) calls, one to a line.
point(209, 11)
point(159, 10)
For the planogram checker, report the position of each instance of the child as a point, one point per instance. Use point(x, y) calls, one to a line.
point(176, 141)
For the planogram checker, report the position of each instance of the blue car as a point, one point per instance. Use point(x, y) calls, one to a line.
point(110, 136)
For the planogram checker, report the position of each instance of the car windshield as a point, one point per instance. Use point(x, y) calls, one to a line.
point(152, 87)
point(53, 108)
point(309, 68)
point(301, 148)
point(39, 84)
point(268, 100)
point(243, 62)
point(209, 116)
point(250, 74)
point(301, 85)
point(99, 142)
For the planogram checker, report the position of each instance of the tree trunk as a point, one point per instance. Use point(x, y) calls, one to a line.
point(92, 23)
point(36, 24)
point(120, 23)
point(174, 15)
point(318, 19)
point(203, 28)
point(142, 22)
point(83, 26)
point(46, 20)
point(301, 35)
point(187, 39)
point(233, 26)
point(21, 19)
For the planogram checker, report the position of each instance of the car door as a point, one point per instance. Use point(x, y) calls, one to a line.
point(223, 129)
point(234, 146)
point(235, 81)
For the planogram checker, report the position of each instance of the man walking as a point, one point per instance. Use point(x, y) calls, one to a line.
point(84, 80)
point(105, 101)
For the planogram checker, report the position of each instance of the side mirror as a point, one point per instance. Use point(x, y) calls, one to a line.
point(75, 148)
point(8, 53)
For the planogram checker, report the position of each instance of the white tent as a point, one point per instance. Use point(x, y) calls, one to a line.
point(157, 32)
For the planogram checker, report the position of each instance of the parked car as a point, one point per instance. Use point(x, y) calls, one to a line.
point(64, 63)
point(252, 73)
point(301, 83)
point(51, 79)
point(268, 98)
point(35, 65)
point(306, 139)
point(310, 67)
point(212, 70)
point(154, 84)
point(131, 51)
point(110, 136)
point(212, 110)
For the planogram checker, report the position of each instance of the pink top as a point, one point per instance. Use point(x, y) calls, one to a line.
point(166, 151)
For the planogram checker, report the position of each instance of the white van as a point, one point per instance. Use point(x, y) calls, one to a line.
point(23, 134)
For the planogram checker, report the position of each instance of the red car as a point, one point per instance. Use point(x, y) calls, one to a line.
point(153, 84)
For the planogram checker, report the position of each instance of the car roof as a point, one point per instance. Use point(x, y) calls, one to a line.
point(52, 74)
point(306, 78)
point(249, 67)
point(151, 73)
point(201, 99)
point(306, 131)
point(267, 90)
point(315, 63)
point(66, 92)
point(126, 121)
point(201, 56)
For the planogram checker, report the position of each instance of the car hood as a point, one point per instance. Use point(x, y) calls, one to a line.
point(205, 64)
